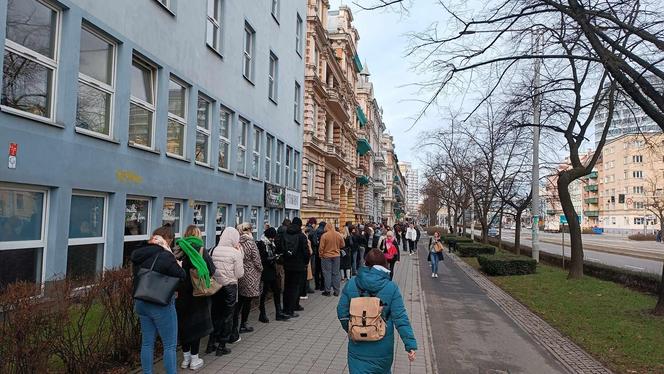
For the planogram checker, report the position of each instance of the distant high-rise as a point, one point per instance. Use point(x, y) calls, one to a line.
point(413, 189)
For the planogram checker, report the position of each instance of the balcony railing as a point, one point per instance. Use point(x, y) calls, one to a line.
point(592, 175)
point(592, 200)
point(591, 213)
point(591, 187)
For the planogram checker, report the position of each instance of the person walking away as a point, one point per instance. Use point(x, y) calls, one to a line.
point(154, 318)
point(306, 289)
point(317, 268)
point(390, 249)
point(362, 244)
point(304, 283)
point(417, 237)
point(378, 233)
point(354, 250)
point(376, 357)
point(267, 250)
point(330, 251)
point(436, 248)
point(346, 263)
point(296, 256)
point(228, 259)
point(194, 312)
point(368, 237)
point(249, 285)
point(658, 237)
point(411, 235)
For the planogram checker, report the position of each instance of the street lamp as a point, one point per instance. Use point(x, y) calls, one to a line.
point(536, 135)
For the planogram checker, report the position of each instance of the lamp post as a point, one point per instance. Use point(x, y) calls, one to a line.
point(536, 135)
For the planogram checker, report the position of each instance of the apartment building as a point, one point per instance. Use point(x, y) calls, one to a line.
point(630, 174)
point(123, 115)
point(413, 190)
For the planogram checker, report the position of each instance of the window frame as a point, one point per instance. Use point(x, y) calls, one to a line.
point(216, 24)
point(287, 165)
point(278, 162)
point(273, 78)
point(146, 236)
point(28, 244)
point(275, 10)
point(178, 121)
point(269, 149)
point(216, 215)
point(94, 240)
point(256, 150)
point(299, 34)
point(248, 56)
point(150, 107)
point(243, 130)
point(311, 178)
point(205, 131)
point(295, 168)
point(297, 103)
point(225, 140)
point(41, 60)
point(205, 219)
point(98, 85)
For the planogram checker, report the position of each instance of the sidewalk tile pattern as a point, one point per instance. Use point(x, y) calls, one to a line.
point(573, 357)
point(315, 342)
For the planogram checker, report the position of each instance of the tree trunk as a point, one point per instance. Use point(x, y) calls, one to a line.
point(449, 217)
point(500, 231)
point(485, 230)
point(659, 308)
point(576, 244)
point(463, 221)
point(517, 232)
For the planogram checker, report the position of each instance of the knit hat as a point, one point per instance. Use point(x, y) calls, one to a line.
point(270, 233)
point(297, 221)
point(311, 221)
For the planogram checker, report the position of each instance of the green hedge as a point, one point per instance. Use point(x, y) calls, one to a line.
point(506, 264)
point(458, 239)
point(474, 249)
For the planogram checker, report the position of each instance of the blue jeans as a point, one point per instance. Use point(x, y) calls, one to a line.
point(434, 262)
point(157, 319)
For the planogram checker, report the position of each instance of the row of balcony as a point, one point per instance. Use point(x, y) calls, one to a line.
point(591, 187)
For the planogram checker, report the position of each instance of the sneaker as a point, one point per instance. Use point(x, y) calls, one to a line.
point(211, 347)
point(187, 360)
point(196, 362)
point(222, 351)
point(245, 329)
point(282, 317)
point(304, 297)
point(326, 293)
point(436, 275)
point(233, 340)
point(433, 275)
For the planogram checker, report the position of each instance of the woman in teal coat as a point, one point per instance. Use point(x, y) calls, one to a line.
point(376, 357)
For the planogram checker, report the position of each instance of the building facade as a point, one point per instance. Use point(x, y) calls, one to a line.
point(342, 123)
point(394, 200)
point(413, 190)
point(630, 174)
point(115, 129)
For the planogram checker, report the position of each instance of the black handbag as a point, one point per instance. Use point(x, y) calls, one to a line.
point(155, 287)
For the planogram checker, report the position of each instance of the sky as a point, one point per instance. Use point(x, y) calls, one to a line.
point(382, 46)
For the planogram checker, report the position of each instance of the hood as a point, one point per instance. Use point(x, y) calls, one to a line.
point(293, 229)
point(372, 280)
point(229, 238)
point(329, 228)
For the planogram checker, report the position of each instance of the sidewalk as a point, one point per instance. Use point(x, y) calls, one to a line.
point(315, 342)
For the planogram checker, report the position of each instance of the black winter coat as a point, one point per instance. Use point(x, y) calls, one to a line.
point(165, 264)
point(269, 273)
point(295, 249)
point(194, 314)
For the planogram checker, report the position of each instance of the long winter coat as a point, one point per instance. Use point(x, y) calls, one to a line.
point(250, 284)
point(376, 357)
point(194, 319)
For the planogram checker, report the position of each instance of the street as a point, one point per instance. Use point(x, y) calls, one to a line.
point(631, 255)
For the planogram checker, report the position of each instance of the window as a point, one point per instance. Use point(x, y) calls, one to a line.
point(637, 174)
point(172, 214)
point(165, 3)
point(177, 118)
point(278, 158)
point(639, 205)
point(249, 40)
point(296, 162)
point(243, 127)
point(221, 220)
point(298, 35)
point(272, 77)
point(30, 58)
point(638, 220)
point(203, 130)
point(22, 238)
point(297, 103)
point(137, 224)
point(269, 145)
point(239, 215)
point(637, 158)
point(224, 138)
point(200, 217)
point(275, 9)
point(85, 247)
point(289, 155)
point(253, 219)
point(256, 154)
point(638, 190)
point(266, 219)
point(96, 83)
point(315, 119)
point(213, 28)
point(142, 104)
point(328, 185)
point(311, 178)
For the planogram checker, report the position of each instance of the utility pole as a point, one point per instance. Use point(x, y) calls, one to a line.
point(472, 206)
point(536, 135)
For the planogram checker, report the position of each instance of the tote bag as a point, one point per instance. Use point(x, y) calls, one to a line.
point(155, 287)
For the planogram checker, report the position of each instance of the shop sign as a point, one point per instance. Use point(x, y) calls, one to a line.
point(292, 200)
point(274, 196)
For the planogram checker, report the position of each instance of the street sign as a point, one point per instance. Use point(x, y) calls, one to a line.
point(563, 219)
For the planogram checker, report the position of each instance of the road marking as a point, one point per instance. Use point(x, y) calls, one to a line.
point(592, 259)
point(638, 268)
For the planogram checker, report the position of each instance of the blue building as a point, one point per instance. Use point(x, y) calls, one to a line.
point(121, 115)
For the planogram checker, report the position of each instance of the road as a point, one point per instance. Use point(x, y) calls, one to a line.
point(614, 251)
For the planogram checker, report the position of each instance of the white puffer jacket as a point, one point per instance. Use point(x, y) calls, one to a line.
point(228, 262)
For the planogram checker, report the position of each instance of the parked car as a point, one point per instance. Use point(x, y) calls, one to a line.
point(493, 232)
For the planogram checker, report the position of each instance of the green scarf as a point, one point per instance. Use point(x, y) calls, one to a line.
point(187, 245)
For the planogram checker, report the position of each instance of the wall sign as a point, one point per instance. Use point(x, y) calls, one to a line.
point(274, 196)
point(13, 150)
point(292, 200)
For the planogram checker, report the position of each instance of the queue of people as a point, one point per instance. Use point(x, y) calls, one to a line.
point(209, 293)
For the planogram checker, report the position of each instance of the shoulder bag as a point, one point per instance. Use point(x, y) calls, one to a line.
point(155, 287)
point(198, 283)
